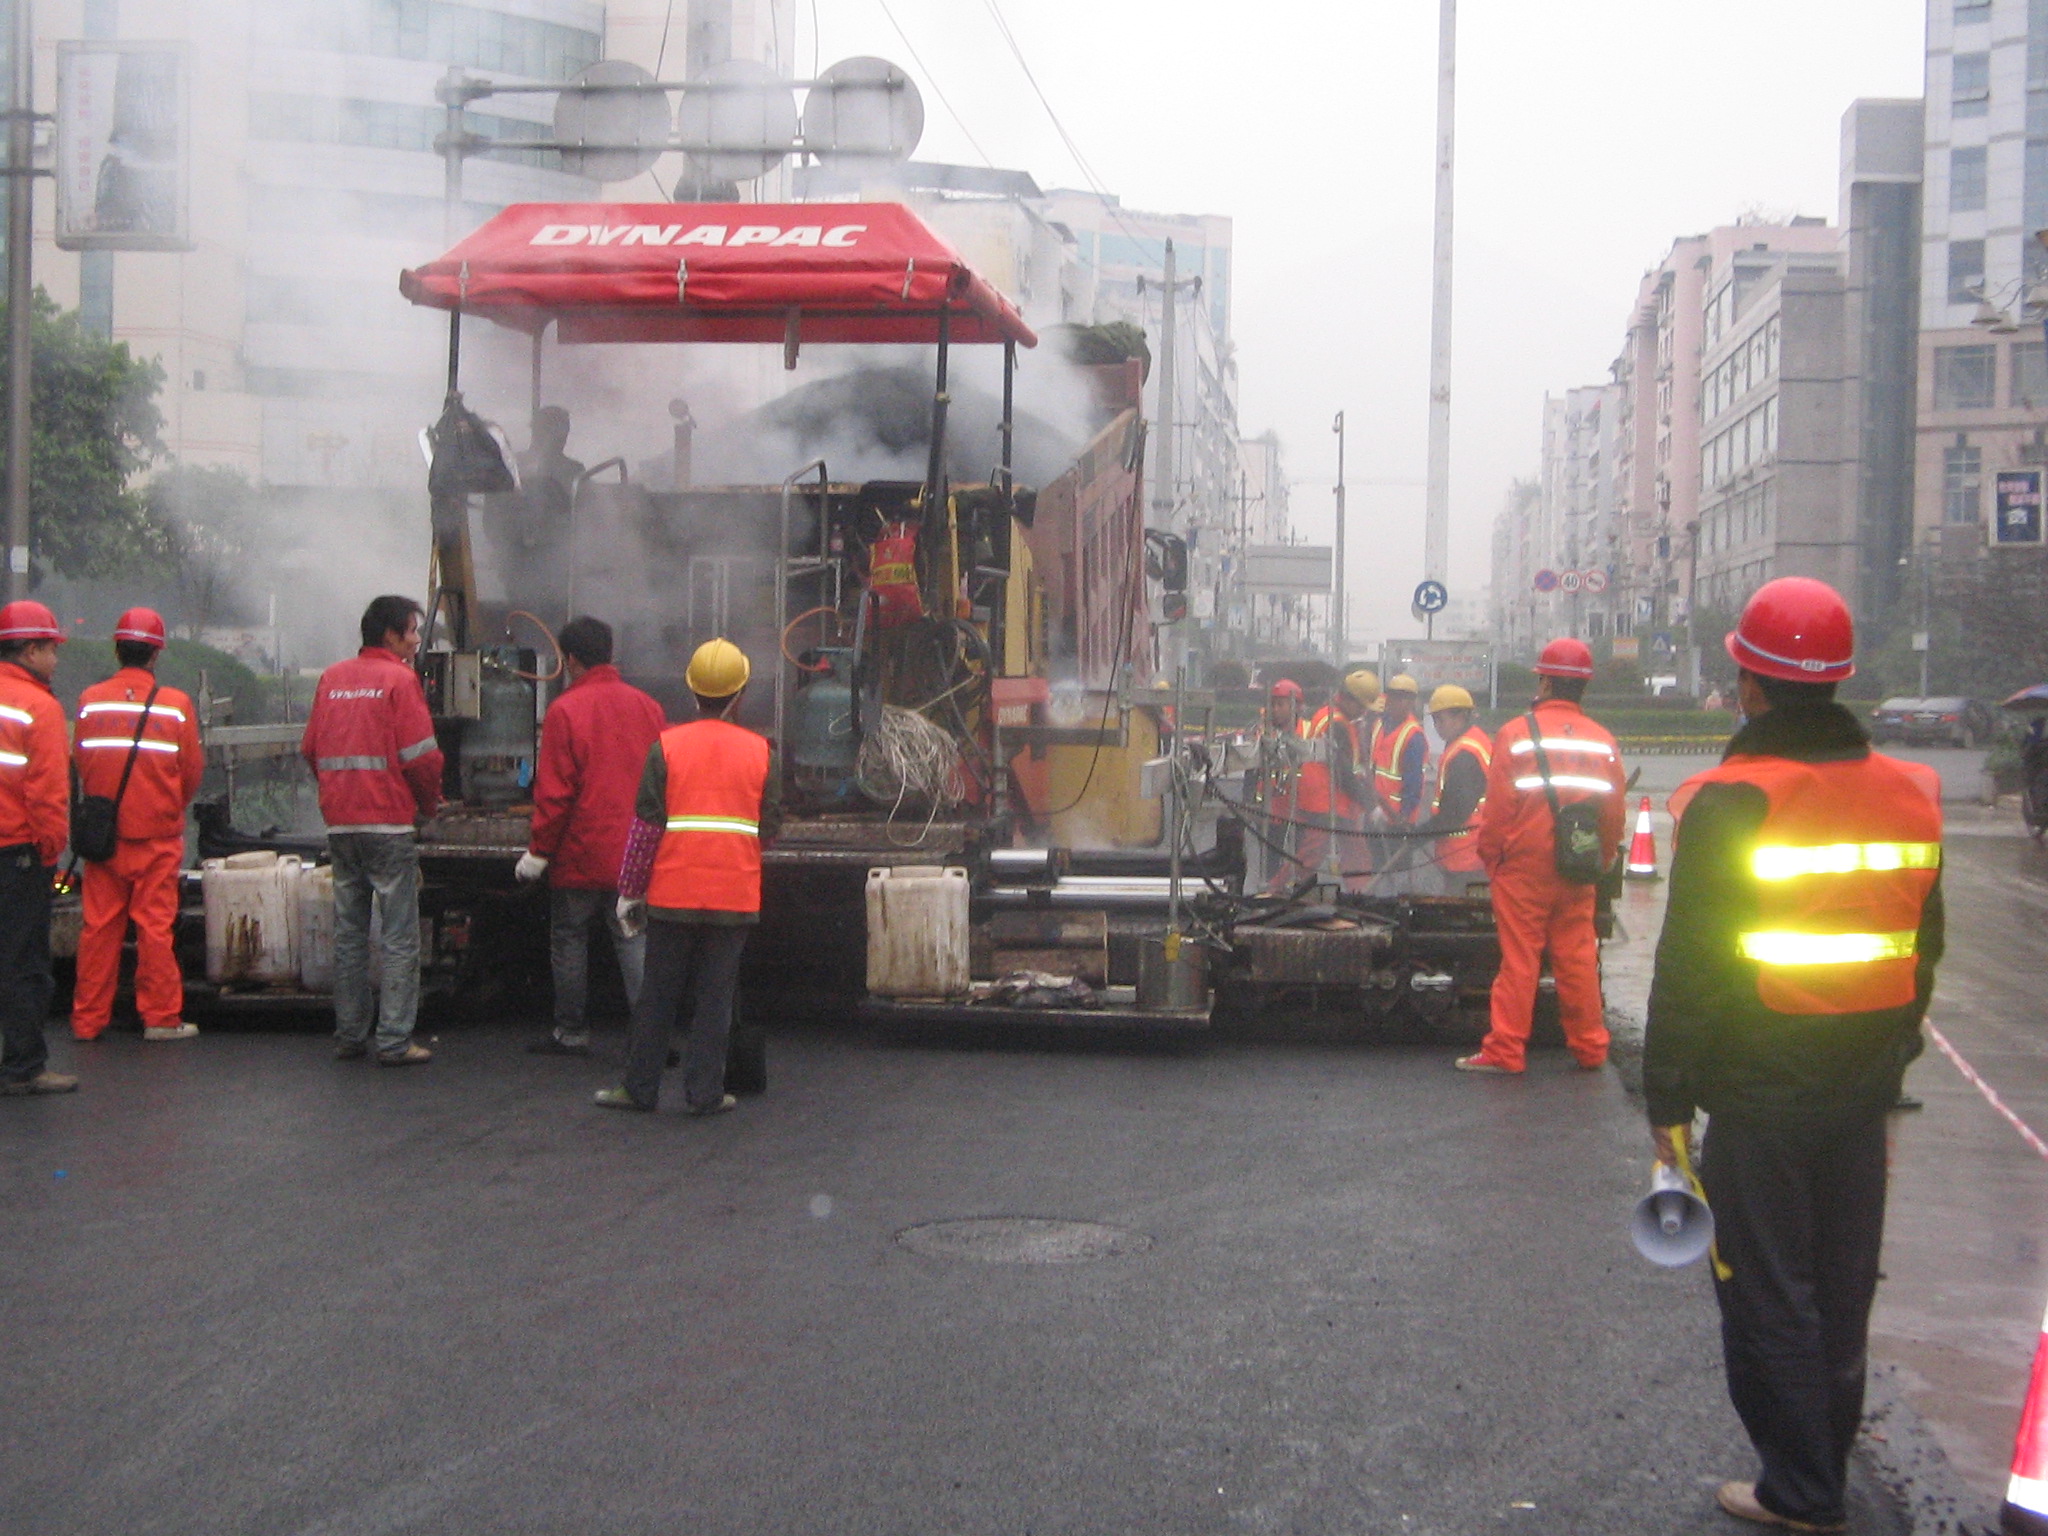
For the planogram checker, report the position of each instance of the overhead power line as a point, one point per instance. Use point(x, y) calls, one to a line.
point(937, 89)
point(1010, 39)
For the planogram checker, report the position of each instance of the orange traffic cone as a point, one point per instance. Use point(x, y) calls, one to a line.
point(1642, 848)
point(2026, 1496)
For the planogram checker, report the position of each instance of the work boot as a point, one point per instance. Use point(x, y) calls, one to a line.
point(351, 1050)
point(1740, 1500)
point(41, 1083)
point(411, 1056)
point(618, 1098)
point(1477, 1063)
point(725, 1102)
point(178, 1031)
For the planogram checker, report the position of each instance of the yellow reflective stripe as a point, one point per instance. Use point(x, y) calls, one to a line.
point(1778, 862)
point(1799, 949)
point(713, 824)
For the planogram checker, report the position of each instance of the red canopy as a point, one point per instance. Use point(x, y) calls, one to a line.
point(661, 272)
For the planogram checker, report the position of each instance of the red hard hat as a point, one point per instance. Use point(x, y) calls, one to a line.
point(1796, 629)
point(25, 620)
point(1287, 688)
point(143, 624)
point(1565, 657)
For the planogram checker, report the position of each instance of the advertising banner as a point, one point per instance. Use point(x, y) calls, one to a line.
point(2017, 508)
point(123, 147)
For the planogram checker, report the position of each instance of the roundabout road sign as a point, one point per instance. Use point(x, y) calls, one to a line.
point(1430, 597)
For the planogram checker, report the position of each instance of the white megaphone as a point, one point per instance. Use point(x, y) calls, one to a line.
point(1671, 1225)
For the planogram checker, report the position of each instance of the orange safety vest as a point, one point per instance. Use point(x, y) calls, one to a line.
point(710, 855)
point(1460, 851)
point(1386, 763)
point(1314, 793)
point(1840, 871)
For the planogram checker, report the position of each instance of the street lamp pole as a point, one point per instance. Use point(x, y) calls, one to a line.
point(1340, 620)
point(21, 128)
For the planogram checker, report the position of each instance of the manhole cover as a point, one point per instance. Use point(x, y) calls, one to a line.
point(1023, 1240)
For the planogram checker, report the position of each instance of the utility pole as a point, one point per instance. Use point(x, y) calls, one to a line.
point(1340, 620)
point(21, 201)
point(1436, 530)
point(1162, 492)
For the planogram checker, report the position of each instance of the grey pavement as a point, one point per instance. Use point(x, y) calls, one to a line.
point(251, 1289)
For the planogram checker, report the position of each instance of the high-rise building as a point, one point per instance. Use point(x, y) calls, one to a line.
point(1983, 400)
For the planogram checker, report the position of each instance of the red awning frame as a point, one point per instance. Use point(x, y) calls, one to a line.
point(788, 273)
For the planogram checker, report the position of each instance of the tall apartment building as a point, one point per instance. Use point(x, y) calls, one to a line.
point(1578, 509)
point(1983, 388)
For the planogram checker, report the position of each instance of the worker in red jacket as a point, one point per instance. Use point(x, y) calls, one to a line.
point(371, 741)
point(710, 798)
point(35, 823)
point(137, 742)
point(1534, 907)
point(593, 746)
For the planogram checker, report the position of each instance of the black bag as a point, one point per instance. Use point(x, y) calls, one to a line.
point(467, 458)
point(95, 819)
point(1576, 827)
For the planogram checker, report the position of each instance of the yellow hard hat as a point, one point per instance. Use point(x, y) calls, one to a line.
point(1401, 682)
point(718, 670)
point(1449, 696)
point(1363, 685)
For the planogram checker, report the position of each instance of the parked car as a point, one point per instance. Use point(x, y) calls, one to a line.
point(1940, 721)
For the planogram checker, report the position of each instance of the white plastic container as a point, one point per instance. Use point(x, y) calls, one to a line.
point(316, 929)
point(252, 919)
point(917, 932)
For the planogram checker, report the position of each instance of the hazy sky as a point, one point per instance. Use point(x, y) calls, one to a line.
point(1590, 134)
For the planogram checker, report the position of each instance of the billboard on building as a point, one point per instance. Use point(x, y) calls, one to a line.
point(2016, 508)
point(1287, 570)
point(123, 147)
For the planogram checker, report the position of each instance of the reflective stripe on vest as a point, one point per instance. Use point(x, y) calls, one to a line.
point(417, 750)
point(1777, 862)
point(123, 743)
point(1567, 781)
point(1565, 744)
point(1804, 949)
point(714, 824)
point(12, 760)
point(18, 716)
point(347, 764)
point(122, 707)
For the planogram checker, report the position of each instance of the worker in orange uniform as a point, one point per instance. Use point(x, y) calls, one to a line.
point(1570, 761)
point(1400, 766)
point(1460, 793)
point(1276, 777)
point(1331, 795)
point(137, 743)
point(35, 824)
point(710, 799)
point(1794, 971)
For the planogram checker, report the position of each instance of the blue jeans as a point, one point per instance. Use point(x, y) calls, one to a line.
point(570, 914)
point(385, 865)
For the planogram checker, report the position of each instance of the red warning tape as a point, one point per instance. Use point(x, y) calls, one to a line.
point(1990, 1094)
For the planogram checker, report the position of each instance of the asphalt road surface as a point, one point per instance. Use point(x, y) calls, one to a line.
point(251, 1289)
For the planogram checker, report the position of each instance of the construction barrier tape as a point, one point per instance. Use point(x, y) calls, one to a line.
point(1990, 1094)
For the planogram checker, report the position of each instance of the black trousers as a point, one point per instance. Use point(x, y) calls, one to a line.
point(25, 981)
point(1799, 1219)
point(697, 963)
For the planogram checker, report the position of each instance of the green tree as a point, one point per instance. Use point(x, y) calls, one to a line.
point(96, 427)
point(208, 515)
